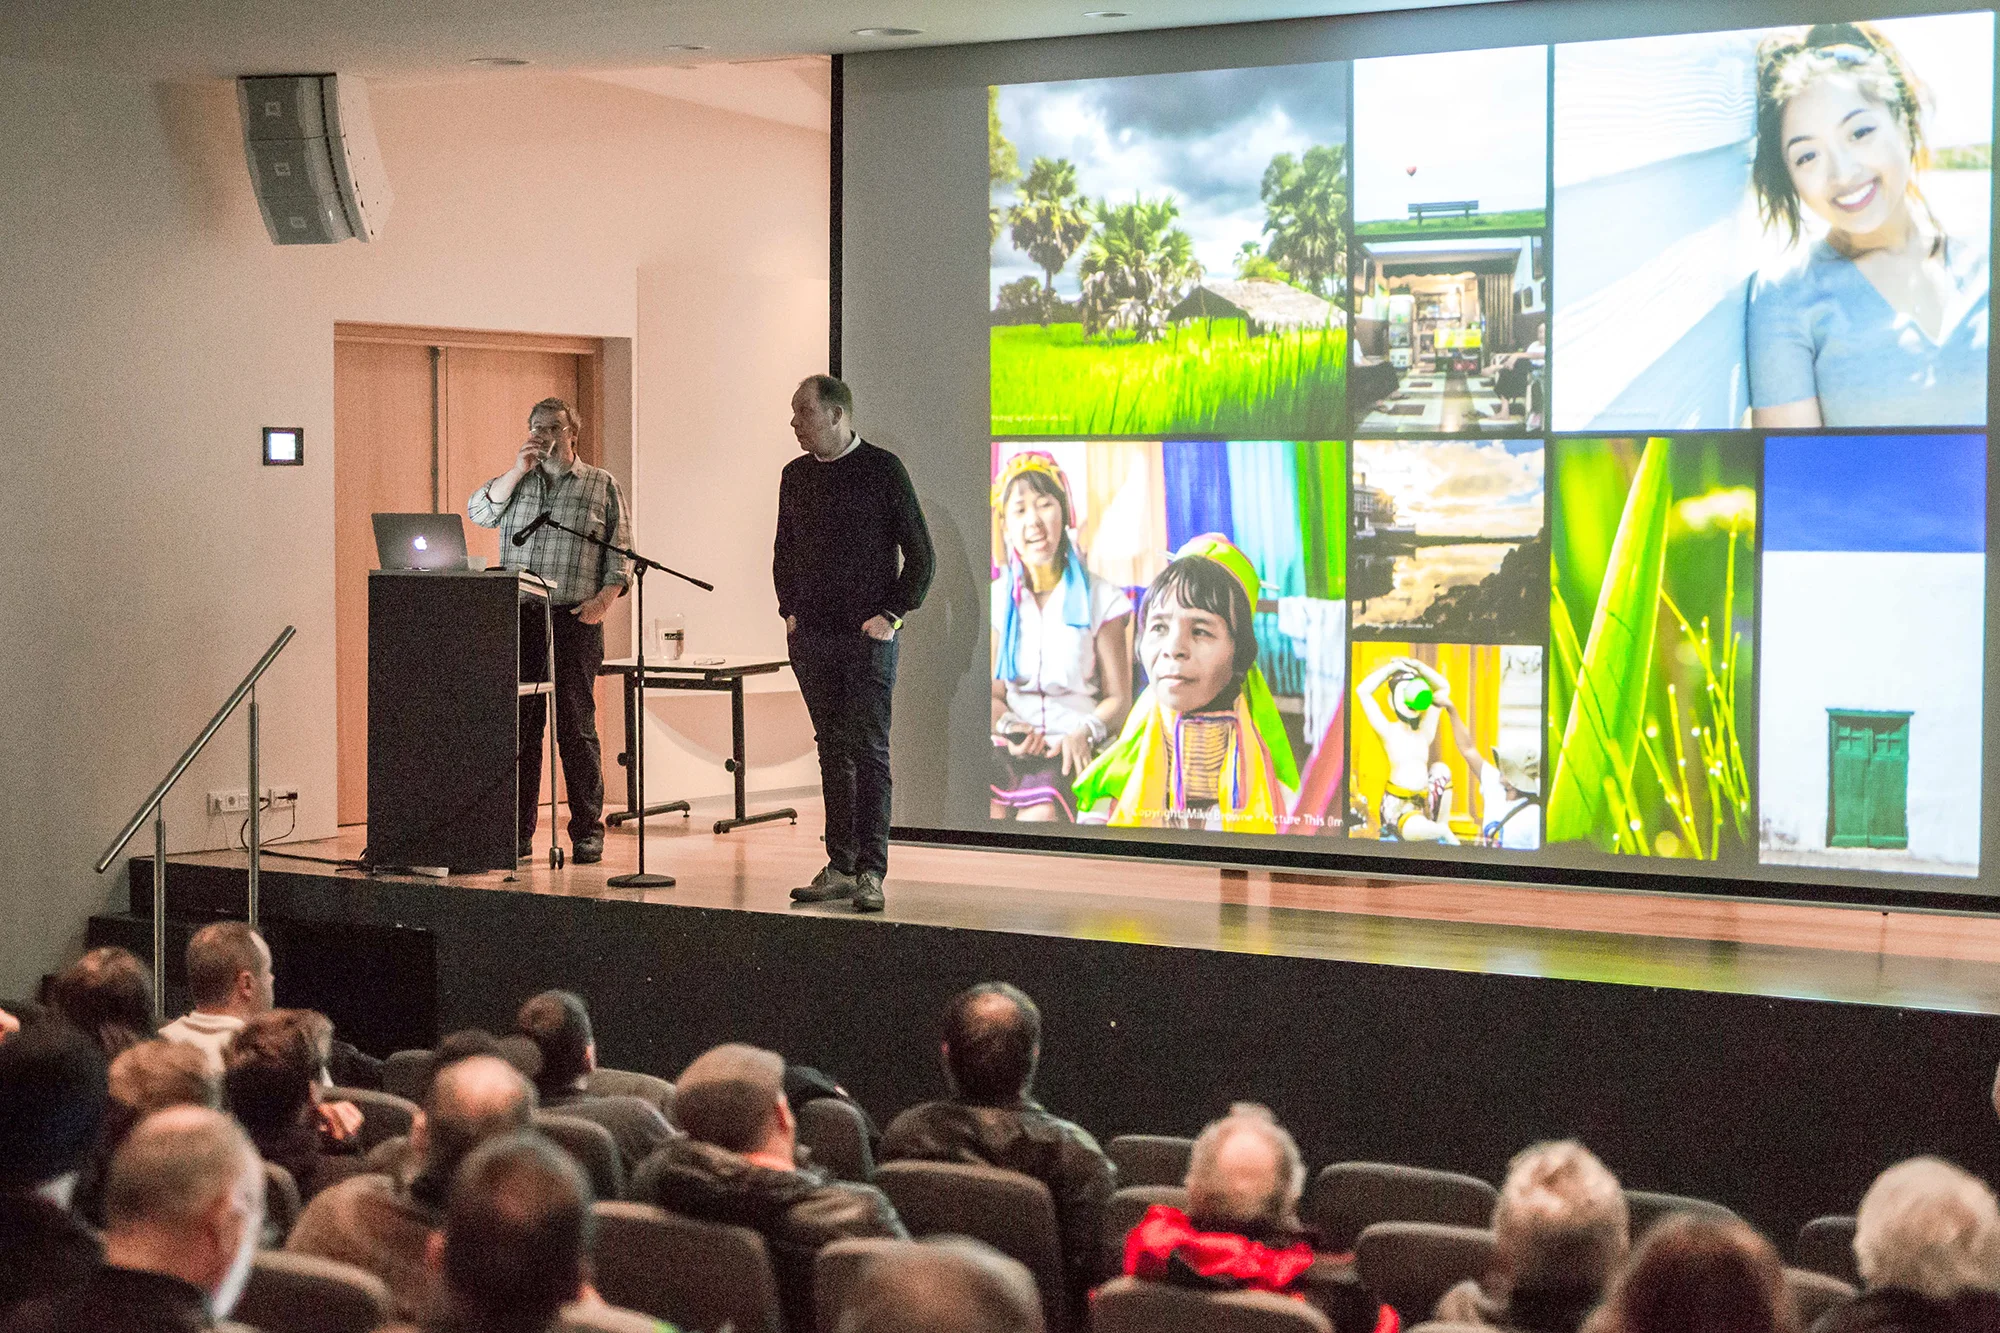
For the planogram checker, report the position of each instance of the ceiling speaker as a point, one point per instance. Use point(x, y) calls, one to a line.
point(314, 165)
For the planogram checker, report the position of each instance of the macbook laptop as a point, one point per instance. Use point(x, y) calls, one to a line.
point(420, 541)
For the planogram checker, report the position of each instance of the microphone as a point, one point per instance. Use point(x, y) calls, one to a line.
point(521, 537)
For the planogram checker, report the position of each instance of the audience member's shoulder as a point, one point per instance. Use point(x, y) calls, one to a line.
point(839, 1209)
point(919, 1121)
point(1898, 1310)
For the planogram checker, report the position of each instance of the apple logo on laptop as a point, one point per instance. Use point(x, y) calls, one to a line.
point(422, 543)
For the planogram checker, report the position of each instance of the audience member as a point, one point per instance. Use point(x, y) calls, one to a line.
point(1241, 1230)
point(230, 980)
point(52, 1098)
point(738, 1164)
point(947, 1285)
point(273, 1074)
point(1560, 1231)
point(108, 995)
point(1927, 1241)
point(515, 1244)
point(1695, 1275)
point(146, 1078)
point(9, 1024)
point(382, 1223)
point(183, 1206)
point(992, 1047)
point(558, 1024)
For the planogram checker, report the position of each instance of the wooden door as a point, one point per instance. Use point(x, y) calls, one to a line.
point(422, 418)
point(381, 464)
point(1868, 779)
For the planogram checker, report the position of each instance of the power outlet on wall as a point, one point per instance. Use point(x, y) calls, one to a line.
point(237, 801)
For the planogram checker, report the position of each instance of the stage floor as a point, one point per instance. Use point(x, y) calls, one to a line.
point(1918, 960)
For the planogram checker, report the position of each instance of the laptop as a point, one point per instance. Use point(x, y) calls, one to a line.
point(420, 541)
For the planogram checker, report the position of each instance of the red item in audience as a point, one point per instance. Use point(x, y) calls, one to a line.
point(1165, 1237)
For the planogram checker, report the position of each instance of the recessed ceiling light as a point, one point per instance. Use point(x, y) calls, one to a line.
point(498, 62)
point(888, 32)
point(685, 46)
point(1106, 14)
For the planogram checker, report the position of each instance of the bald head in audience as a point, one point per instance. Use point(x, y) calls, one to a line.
point(949, 1285)
point(185, 1198)
point(516, 1242)
point(1245, 1173)
point(471, 1100)
point(992, 1042)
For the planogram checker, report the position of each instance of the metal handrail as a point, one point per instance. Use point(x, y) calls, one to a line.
point(153, 805)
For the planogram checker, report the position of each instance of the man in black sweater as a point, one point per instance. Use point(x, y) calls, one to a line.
point(852, 558)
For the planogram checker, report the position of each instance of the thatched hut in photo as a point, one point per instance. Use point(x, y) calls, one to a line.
point(1263, 304)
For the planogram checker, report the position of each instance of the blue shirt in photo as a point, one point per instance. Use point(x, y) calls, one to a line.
point(1819, 329)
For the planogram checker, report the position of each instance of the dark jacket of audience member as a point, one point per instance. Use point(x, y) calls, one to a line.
point(558, 1023)
point(1241, 1231)
point(733, 1168)
point(992, 1047)
point(1899, 1310)
point(52, 1099)
point(272, 1072)
point(108, 995)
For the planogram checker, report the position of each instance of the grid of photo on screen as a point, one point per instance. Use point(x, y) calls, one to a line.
point(1571, 450)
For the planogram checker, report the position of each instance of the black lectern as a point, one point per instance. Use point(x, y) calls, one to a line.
point(444, 652)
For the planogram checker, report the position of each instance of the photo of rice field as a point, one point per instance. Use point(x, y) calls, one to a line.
point(1651, 616)
point(1201, 377)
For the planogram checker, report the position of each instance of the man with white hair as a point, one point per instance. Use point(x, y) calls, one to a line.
point(183, 1207)
point(1241, 1230)
point(1560, 1229)
point(1927, 1241)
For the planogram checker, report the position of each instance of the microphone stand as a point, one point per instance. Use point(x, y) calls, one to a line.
point(635, 745)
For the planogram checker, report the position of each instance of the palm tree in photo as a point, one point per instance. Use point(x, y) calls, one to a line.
point(1305, 213)
point(1003, 162)
point(1137, 267)
point(1051, 220)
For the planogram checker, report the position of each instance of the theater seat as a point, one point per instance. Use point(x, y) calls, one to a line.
point(302, 1293)
point(1826, 1245)
point(697, 1275)
point(1449, 1326)
point(1122, 1212)
point(837, 1135)
point(1009, 1211)
point(1127, 1305)
point(281, 1205)
point(1347, 1197)
point(592, 1147)
point(835, 1271)
point(604, 1319)
point(1647, 1207)
point(1150, 1159)
point(405, 1073)
point(1813, 1294)
point(383, 1114)
point(1410, 1265)
point(631, 1083)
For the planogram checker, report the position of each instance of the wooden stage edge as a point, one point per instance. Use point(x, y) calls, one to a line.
point(1916, 959)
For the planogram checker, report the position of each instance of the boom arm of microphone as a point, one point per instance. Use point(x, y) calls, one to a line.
point(521, 537)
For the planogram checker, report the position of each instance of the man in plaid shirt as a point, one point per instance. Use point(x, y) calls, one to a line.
point(548, 478)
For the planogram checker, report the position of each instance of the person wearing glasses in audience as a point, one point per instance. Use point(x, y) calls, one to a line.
point(1883, 320)
point(549, 478)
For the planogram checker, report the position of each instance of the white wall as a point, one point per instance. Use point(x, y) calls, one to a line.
point(1873, 630)
point(150, 328)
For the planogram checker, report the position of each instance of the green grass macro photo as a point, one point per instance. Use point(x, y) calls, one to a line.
point(1652, 584)
point(1202, 377)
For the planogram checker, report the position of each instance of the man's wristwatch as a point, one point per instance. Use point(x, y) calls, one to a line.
point(895, 621)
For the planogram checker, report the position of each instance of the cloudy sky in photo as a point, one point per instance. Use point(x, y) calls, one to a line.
point(1203, 138)
point(1457, 488)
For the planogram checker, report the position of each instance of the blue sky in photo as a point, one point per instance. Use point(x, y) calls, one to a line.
point(1203, 138)
point(1875, 493)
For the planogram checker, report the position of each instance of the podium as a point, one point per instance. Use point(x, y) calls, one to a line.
point(444, 689)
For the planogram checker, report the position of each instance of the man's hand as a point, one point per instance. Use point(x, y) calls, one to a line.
point(530, 457)
point(340, 1121)
point(9, 1025)
point(593, 611)
point(878, 627)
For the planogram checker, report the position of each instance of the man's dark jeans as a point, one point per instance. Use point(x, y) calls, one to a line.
point(579, 652)
point(848, 681)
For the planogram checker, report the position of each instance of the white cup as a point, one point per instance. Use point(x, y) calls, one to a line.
point(670, 632)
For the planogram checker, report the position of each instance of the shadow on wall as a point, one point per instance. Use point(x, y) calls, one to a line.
point(939, 647)
point(204, 137)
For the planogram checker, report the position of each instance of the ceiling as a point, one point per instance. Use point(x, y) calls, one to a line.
point(425, 39)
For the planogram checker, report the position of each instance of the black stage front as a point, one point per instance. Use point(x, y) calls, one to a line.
point(1782, 1107)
